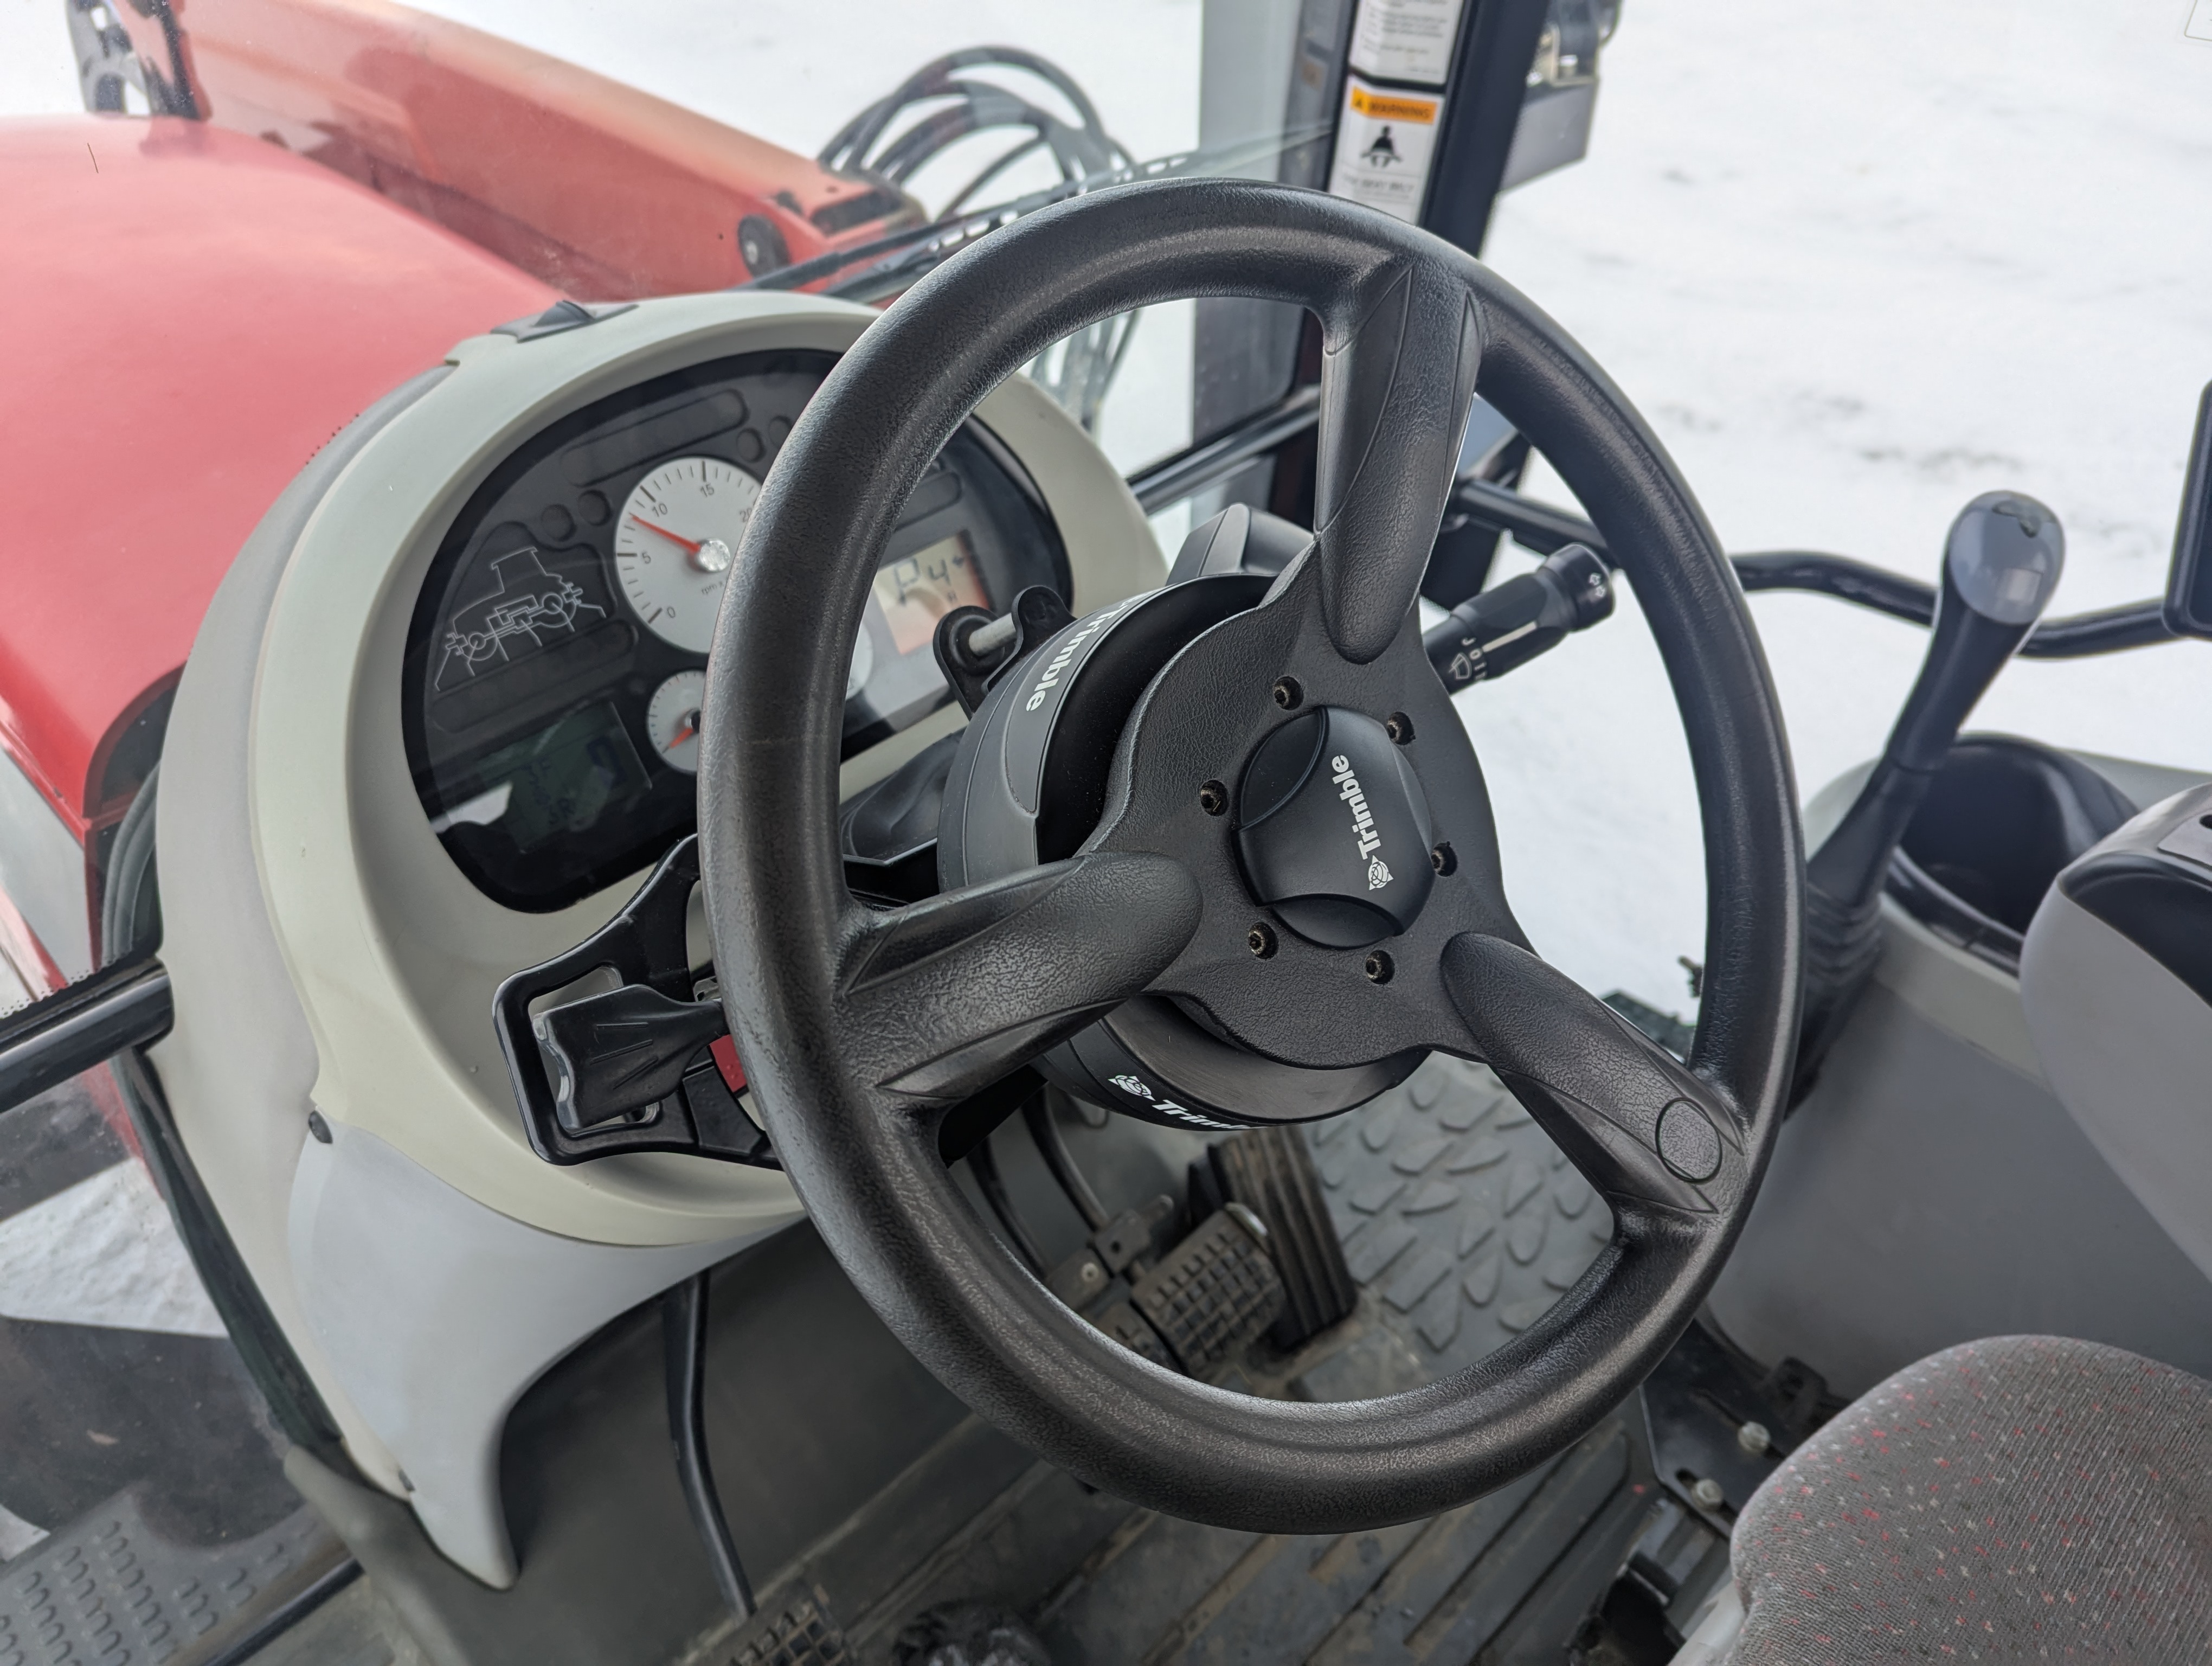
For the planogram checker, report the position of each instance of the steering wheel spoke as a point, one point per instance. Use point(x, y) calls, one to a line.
point(1397, 383)
point(938, 1000)
point(1641, 1126)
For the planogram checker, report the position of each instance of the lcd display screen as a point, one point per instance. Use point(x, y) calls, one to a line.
point(565, 777)
point(917, 592)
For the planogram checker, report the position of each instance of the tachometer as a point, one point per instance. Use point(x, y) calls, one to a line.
point(680, 531)
point(673, 720)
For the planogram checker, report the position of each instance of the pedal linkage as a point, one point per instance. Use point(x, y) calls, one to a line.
point(633, 1068)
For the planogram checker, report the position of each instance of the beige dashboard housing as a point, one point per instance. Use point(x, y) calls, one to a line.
point(341, 952)
point(394, 953)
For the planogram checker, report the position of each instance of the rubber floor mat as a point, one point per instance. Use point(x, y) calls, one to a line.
point(1457, 1212)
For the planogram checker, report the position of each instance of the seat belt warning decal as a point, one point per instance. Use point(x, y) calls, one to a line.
point(1405, 39)
point(1385, 140)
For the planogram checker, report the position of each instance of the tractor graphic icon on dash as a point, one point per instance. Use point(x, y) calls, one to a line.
point(528, 604)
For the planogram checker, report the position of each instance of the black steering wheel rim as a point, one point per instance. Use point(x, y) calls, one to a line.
point(858, 1029)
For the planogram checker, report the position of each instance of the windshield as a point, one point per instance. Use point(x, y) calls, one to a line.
point(1854, 268)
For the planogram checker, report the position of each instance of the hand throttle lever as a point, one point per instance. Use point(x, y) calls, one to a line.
point(2001, 564)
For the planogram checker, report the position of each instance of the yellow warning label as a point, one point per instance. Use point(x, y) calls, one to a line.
point(1392, 106)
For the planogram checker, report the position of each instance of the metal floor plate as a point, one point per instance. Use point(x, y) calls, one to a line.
point(111, 1589)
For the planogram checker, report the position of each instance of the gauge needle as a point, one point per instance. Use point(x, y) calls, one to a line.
point(689, 731)
point(673, 537)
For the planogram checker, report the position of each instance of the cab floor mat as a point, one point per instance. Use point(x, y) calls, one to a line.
point(144, 1515)
point(1461, 1223)
point(1459, 1216)
point(111, 1586)
point(1164, 1592)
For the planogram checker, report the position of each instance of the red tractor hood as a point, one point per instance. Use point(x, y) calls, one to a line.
point(186, 315)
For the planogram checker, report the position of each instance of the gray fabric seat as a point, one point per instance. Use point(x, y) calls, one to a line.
point(2021, 1497)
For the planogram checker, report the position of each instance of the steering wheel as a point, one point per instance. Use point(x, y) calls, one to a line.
point(859, 1028)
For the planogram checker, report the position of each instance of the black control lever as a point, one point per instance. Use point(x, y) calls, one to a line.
point(2001, 564)
point(1492, 632)
point(974, 650)
point(619, 1052)
point(632, 1068)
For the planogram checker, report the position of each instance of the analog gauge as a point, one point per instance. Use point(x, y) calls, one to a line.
point(673, 720)
point(680, 531)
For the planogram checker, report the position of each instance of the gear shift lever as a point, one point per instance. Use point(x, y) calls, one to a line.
point(2001, 564)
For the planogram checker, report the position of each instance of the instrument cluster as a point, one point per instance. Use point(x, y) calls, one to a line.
point(556, 655)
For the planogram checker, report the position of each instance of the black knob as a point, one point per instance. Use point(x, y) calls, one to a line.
point(2001, 564)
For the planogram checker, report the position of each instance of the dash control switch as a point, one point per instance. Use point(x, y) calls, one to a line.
point(1489, 634)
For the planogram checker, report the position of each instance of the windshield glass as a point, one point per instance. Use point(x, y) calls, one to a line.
point(1856, 267)
point(1112, 93)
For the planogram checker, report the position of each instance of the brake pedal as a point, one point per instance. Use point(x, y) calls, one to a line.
point(800, 1631)
point(1271, 1172)
point(1214, 1292)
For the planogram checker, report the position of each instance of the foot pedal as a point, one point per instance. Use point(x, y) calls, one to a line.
point(1121, 1320)
point(1271, 1172)
point(1093, 1280)
point(1214, 1292)
point(800, 1631)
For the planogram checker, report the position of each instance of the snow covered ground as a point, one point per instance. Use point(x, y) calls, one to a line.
point(1856, 264)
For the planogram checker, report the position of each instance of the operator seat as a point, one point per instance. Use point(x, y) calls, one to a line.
point(2016, 1498)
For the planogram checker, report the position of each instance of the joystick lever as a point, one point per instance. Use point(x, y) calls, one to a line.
point(2001, 564)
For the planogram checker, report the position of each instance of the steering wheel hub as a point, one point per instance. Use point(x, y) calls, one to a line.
point(1333, 830)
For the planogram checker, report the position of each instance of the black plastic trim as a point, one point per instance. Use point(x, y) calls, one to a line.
point(1489, 84)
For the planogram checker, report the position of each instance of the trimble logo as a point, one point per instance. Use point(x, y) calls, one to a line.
point(1073, 646)
point(1362, 820)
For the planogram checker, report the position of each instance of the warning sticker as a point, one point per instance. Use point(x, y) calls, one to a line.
point(1405, 39)
point(1384, 141)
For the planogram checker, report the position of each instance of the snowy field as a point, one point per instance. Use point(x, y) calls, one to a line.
point(1856, 264)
